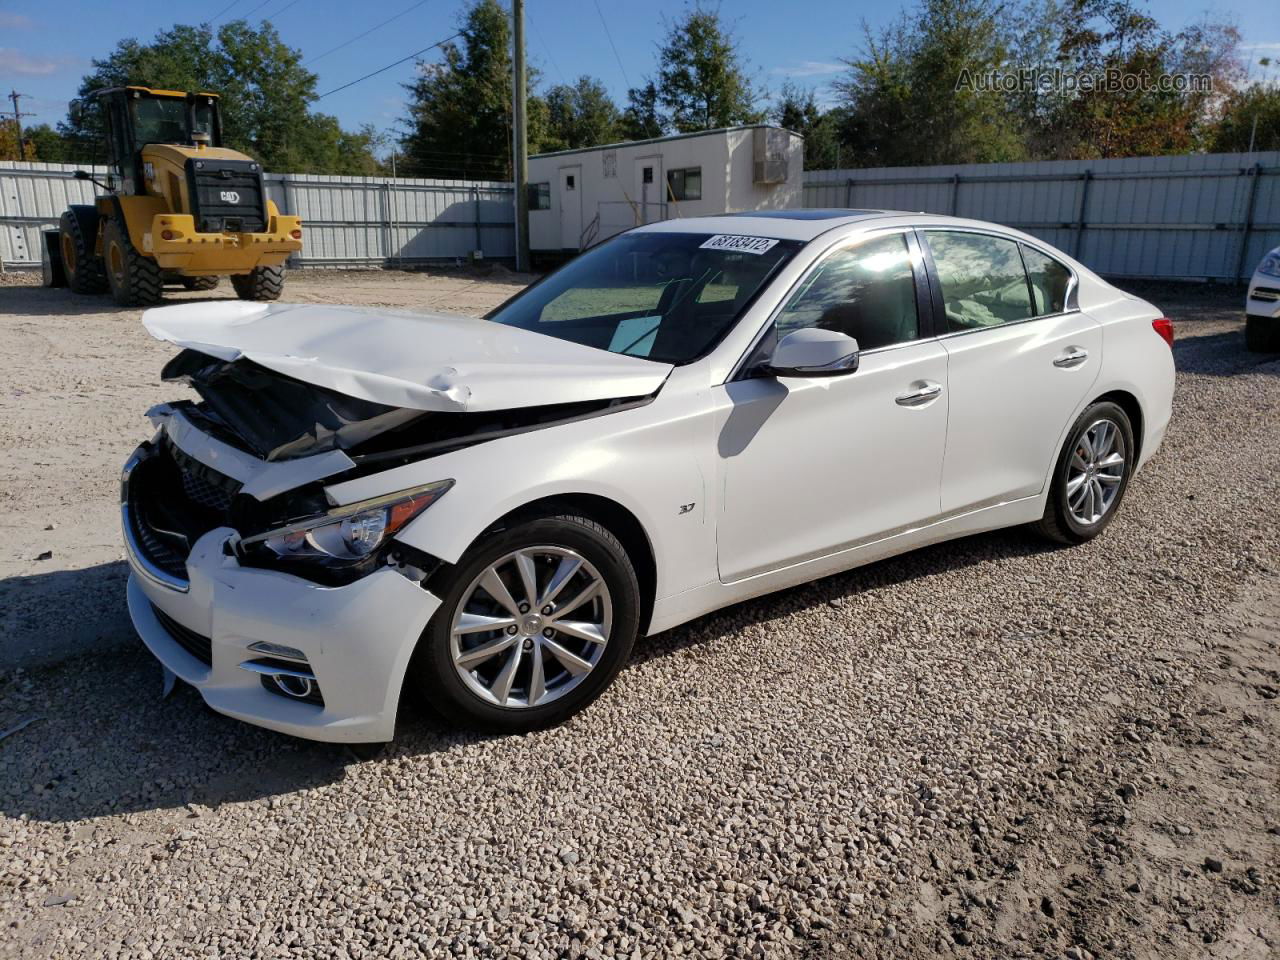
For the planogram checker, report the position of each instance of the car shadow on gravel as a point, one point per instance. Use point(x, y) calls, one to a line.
point(1221, 355)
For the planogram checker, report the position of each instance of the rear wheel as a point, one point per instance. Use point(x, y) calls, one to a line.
point(1091, 475)
point(261, 283)
point(200, 283)
point(1262, 334)
point(84, 270)
point(135, 280)
point(535, 623)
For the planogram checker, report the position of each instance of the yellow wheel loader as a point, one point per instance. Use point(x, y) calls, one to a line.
point(178, 207)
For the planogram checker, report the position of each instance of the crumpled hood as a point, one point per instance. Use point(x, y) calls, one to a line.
point(422, 361)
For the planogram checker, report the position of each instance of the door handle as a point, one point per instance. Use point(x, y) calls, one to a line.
point(1071, 357)
point(927, 392)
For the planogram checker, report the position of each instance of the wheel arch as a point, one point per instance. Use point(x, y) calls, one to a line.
point(611, 515)
point(1130, 404)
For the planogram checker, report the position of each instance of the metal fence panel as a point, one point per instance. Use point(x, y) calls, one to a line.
point(347, 221)
point(1195, 216)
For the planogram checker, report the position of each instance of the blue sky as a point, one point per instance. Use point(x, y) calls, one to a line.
point(45, 47)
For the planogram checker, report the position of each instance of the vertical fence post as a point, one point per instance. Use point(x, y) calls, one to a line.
point(955, 193)
point(1080, 224)
point(475, 198)
point(1256, 173)
point(384, 197)
point(848, 193)
point(288, 205)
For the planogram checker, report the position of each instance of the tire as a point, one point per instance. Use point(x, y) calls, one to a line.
point(84, 270)
point(261, 283)
point(199, 283)
point(1065, 516)
point(135, 280)
point(473, 698)
point(1262, 334)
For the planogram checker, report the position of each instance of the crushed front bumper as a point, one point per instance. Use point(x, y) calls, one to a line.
point(357, 639)
point(1264, 297)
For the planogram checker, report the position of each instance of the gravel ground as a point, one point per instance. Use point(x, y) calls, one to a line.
point(989, 748)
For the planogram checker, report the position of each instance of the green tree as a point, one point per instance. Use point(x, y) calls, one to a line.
point(797, 110)
point(459, 122)
point(46, 144)
point(1250, 120)
point(641, 119)
point(266, 94)
point(581, 115)
point(702, 80)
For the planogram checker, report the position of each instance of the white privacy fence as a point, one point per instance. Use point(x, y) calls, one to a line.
point(1187, 217)
point(347, 221)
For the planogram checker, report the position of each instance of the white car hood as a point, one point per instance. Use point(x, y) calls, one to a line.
point(422, 361)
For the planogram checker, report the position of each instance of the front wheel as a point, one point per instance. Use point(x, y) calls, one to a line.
point(1091, 475)
point(135, 280)
point(536, 621)
point(1262, 334)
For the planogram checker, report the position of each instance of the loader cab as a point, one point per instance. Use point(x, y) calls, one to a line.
point(136, 117)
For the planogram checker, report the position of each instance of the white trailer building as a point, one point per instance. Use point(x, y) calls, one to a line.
point(579, 197)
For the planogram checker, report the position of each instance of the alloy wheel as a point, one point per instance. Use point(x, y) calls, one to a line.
point(531, 627)
point(1096, 471)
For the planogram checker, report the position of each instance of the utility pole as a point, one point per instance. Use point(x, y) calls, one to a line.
point(15, 96)
point(520, 136)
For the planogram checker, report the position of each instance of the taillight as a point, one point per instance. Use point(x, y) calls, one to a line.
point(295, 233)
point(1164, 327)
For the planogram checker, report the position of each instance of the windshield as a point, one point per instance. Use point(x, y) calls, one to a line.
point(669, 297)
point(164, 120)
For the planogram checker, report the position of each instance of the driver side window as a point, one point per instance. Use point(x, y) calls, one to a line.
point(867, 291)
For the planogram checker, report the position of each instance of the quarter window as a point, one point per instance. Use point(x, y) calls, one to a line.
point(983, 280)
point(685, 184)
point(867, 292)
point(1049, 281)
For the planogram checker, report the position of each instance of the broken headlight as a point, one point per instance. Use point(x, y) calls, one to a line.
point(344, 535)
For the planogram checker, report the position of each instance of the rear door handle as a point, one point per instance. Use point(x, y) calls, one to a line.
point(927, 392)
point(1072, 357)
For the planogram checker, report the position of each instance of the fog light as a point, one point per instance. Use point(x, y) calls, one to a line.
point(289, 685)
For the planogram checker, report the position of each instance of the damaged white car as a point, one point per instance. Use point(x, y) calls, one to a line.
point(367, 504)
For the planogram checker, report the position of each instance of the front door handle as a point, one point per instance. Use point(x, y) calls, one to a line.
point(926, 392)
point(1072, 357)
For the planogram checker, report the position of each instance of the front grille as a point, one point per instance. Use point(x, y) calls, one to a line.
point(198, 646)
point(173, 500)
point(227, 195)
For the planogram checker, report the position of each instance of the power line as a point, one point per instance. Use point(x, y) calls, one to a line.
point(246, 16)
point(439, 43)
point(291, 3)
point(604, 23)
point(361, 36)
point(217, 16)
point(547, 49)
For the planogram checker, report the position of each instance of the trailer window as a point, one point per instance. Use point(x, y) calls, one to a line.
point(540, 196)
point(685, 184)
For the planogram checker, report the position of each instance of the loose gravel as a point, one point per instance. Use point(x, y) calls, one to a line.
point(838, 768)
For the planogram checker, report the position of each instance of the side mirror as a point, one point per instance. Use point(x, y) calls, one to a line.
point(813, 352)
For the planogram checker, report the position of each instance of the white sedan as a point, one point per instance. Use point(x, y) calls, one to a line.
point(1262, 306)
point(368, 503)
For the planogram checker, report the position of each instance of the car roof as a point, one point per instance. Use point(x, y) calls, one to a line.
point(801, 225)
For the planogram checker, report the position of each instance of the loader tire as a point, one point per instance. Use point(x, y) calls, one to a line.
point(135, 280)
point(261, 283)
point(199, 283)
point(84, 270)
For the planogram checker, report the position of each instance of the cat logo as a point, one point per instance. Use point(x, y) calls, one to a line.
point(229, 196)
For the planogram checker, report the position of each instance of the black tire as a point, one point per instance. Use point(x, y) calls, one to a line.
point(1262, 334)
point(84, 270)
point(432, 674)
point(135, 280)
point(199, 283)
point(261, 283)
point(1059, 523)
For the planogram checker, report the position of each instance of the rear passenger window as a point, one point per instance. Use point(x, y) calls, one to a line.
point(867, 292)
point(983, 280)
point(1049, 281)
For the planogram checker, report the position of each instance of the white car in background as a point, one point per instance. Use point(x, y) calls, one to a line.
point(1262, 306)
point(369, 503)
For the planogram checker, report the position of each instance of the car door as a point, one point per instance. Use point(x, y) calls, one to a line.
point(1021, 361)
point(811, 466)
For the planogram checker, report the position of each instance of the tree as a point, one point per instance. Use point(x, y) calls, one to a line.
point(702, 81)
point(45, 144)
point(641, 120)
point(265, 94)
point(581, 115)
point(797, 110)
point(1250, 120)
point(915, 95)
point(459, 122)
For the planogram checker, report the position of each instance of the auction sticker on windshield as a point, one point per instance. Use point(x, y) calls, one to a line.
point(728, 241)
